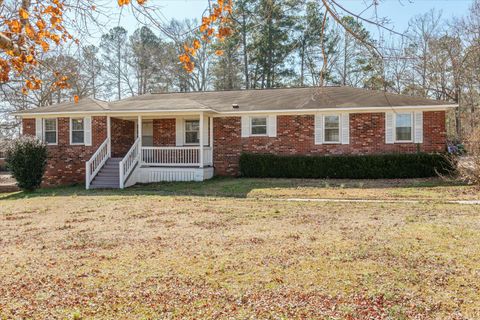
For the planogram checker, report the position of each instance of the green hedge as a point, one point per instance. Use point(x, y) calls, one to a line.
point(387, 166)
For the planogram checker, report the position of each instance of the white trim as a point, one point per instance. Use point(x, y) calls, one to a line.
point(220, 113)
point(87, 131)
point(201, 138)
point(418, 123)
point(318, 128)
point(71, 130)
point(412, 129)
point(44, 131)
point(345, 128)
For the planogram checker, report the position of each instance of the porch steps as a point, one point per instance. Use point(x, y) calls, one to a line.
point(108, 177)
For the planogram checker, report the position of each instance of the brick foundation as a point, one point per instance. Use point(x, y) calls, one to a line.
point(295, 136)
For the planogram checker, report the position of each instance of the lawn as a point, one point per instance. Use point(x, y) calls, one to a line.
point(237, 249)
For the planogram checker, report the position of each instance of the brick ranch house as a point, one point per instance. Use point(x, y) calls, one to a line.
point(193, 136)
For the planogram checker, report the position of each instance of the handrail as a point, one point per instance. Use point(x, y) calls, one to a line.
point(96, 162)
point(129, 162)
point(184, 156)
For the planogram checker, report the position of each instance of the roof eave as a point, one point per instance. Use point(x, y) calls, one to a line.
point(238, 111)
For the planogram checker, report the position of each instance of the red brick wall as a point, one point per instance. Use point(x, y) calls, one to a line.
point(164, 132)
point(28, 127)
point(295, 135)
point(66, 163)
point(123, 136)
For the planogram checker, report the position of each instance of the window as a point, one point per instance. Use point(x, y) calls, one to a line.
point(332, 128)
point(50, 131)
point(403, 127)
point(77, 131)
point(192, 131)
point(258, 125)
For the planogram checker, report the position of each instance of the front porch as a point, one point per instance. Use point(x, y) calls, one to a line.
point(154, 148)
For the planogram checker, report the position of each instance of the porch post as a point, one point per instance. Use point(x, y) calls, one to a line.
point(201, 141)
point(109, 136)
point(211, 133)
point(139, 135)
point(211, 142)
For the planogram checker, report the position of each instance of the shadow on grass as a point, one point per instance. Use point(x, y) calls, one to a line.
point(227, 187)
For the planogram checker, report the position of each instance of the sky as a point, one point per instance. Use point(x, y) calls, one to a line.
point(398, 12)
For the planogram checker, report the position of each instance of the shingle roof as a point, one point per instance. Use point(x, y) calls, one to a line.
point(85, 104)
point(249, 100)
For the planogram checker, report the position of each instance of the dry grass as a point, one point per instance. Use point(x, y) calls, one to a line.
point(139, 255)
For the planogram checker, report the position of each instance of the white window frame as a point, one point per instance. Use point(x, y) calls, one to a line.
point(71, 131)
point(266, 126)
point(56, 131)
point(339, 141)
point(185, 133)
point(412, 129)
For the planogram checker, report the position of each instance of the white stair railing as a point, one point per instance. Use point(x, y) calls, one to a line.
point(96, 162)
point(129, 162)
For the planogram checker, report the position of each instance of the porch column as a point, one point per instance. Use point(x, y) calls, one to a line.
point(211, 133)
point(109, 136)
point(139, 135)
point(201, 141)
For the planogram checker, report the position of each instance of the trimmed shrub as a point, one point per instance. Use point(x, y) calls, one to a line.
point(26, 158)
point(385, 166)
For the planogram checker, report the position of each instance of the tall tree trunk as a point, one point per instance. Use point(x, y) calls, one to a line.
point(302, 62)
point(119, 65)
point(245, 53)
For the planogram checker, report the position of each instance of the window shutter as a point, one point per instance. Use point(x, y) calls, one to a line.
point(39, 128)
point(87, 130)
point(245, 126)
point(389, 128)
point(272, 125)
point(345, 128)
point(318, 128)
point(205, 130)
point(418, 123)
point(179, 132)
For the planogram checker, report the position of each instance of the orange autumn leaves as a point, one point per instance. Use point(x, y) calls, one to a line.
point(213, 26)
point(30, 31)
point(33, 32)
point(36, 27)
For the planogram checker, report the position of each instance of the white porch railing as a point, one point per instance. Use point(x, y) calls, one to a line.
point(176, 156)
point(96, 162)
point(128, 163)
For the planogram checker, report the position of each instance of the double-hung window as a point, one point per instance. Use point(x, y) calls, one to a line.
point(332, 129)
point(77, 131)
point(403, 127)
point(50, 131)
point(258, 126)
point(192, 131)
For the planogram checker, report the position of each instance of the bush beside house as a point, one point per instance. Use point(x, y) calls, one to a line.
point(387, 166)
point(26, 158)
